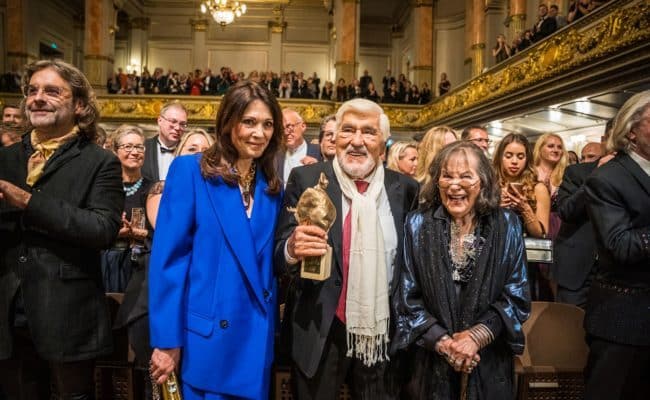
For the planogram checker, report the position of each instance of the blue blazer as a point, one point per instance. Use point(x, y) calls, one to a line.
point(211, 286)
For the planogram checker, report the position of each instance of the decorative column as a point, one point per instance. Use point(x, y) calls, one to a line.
point(78, 25)
point(101, 25)
point(138, 37)
point(516, 18)
point(477, 37)
point(16, 43)
point(276, 28)
point(423, 41)
point(200, 51)
point(346, 21)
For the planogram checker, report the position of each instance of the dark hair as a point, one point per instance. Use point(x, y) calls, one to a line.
point(489, 196)
point(554, 6)
point(465, 134)
point(82, 92)
point(9, 105)
point(528, 176)
point(218, 159)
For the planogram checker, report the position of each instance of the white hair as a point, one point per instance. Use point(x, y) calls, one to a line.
point(363, 106)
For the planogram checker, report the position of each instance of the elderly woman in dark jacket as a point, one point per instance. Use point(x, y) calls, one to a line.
point(463, 291)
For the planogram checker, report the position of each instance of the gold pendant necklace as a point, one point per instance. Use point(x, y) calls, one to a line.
point(246, 182)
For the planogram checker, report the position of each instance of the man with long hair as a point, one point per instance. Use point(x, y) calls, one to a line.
point(61, 197)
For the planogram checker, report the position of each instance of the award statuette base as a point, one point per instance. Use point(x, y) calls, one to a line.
point(317, 268)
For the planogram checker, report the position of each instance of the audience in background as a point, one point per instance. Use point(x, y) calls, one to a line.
point(501, 51)
point(432, 142)
point(520, 191)
point(572, 158)
point(477, 135)
point(326, 138)
point(592, 151)
point(403, 157)
point(444, 85)
point(118, 261)
point(545, 24)
point(172, 122)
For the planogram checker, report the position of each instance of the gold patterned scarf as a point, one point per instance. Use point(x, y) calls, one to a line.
point(43, 150)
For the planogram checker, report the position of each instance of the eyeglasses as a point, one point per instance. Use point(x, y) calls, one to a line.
point(367, 132)
point(464, 183)
point(181, 124)
point(54, 92)
point(290, 127)
point(138, 148)
point(481, 140)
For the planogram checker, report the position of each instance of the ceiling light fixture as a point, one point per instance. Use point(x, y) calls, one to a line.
point(223, 11)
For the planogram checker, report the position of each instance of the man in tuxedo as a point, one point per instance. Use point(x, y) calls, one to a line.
point(159, 152)
point(575, 244)
point(61, 200)
point(334, 336)
point(297, 151)
point(545, 25)
point(617, 319)
point(210, 83)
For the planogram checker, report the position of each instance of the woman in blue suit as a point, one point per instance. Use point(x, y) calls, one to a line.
point(212, 292)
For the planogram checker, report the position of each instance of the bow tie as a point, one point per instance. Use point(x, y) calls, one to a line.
point(164, 150)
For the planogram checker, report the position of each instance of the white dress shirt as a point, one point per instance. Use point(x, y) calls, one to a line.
point(292, 160)
point(164, 161)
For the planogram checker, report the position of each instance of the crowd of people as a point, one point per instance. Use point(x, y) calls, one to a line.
point(549, 20)
point(283, 85)
point(424, 280)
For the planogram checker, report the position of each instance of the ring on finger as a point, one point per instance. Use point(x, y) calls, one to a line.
point(473, 363)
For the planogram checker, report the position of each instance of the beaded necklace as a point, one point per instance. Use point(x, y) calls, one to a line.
point(246, 182)
point(131, 190)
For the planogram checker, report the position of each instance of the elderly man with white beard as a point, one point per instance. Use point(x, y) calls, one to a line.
point(340, 327)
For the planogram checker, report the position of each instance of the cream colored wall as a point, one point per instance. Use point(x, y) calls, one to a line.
point(245, 45)
point(450, 53)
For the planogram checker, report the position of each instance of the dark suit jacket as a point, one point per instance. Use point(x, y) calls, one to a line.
point(619, 208)
point(50, 250)
point(150, 166)
point(575, 244)
point(549, 25)
point(313, 150)
point(315, 302)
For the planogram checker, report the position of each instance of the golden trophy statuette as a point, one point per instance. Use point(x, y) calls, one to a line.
point(316, 208)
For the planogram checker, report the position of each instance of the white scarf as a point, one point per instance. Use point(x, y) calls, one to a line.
point(367, 311)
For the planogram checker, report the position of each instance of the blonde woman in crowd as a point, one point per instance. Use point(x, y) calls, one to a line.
point(194, 141)
point(433, 141)
point(403, 157)
point(551, 160)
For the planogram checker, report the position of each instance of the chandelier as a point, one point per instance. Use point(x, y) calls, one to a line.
point(223, 11)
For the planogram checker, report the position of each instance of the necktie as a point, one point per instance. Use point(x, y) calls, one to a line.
point(362, 186)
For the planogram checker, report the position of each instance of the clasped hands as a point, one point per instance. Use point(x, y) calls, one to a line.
point(460, 351)
point(127, 230)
